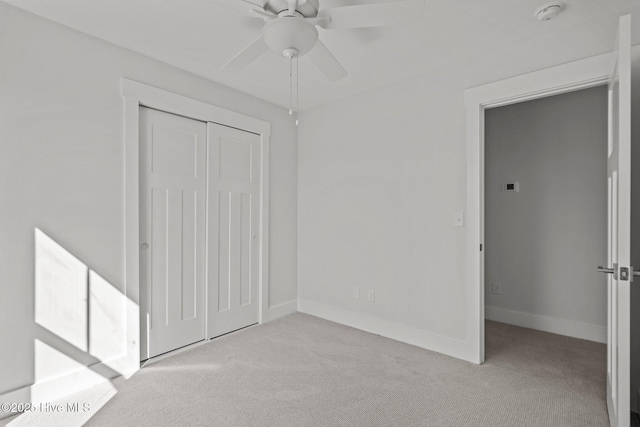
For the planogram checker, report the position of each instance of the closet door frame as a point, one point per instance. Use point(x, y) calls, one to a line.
point(135, 95)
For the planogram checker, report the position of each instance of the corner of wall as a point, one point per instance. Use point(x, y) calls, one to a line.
point(281, 310)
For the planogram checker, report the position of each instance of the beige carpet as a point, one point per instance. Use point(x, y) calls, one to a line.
point(304, 371)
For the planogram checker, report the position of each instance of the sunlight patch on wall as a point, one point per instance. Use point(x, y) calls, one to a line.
point(77, 305)
point(107, 311)
point(127, 366)
point(60, 291)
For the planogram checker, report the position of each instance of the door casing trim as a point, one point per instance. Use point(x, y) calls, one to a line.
point(577, 75)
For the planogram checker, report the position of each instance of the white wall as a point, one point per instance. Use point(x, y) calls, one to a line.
point(543, 243)
point(62, 171)
point(380, 176)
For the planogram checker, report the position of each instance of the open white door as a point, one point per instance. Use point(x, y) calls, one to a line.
point(619, 231)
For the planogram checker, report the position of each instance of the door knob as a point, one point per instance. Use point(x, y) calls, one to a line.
point(144, 245)
point(626, 273)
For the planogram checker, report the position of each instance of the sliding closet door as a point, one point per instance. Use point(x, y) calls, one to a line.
point(172, 231)
point(233, 229)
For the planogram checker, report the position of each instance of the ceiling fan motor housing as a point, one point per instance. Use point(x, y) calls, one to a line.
point(307, 8)
point(290, 28)
point(289, 33)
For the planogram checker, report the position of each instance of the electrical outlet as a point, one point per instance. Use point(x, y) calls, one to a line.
point(355, 292)
point(496, 288)
point(371, 296)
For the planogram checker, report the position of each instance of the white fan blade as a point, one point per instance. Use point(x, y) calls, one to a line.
point(372, 15)
point(267, 16)
point(326, 62)
point(258, 3)
point(247, 55)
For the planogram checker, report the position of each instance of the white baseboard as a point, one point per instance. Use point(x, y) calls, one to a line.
point(66, 384)
point(554, 325)
point(73, 409)
point(54, 389)
point(20, 395)
point(440, 344)
point(281, 310)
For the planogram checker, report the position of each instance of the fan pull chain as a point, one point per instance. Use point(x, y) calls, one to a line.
point(294, 86)
point(297, 90)
point(291, 85)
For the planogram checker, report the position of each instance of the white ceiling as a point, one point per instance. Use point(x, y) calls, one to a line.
point(490, 39)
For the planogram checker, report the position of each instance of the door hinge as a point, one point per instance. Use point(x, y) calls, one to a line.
point(480, 247)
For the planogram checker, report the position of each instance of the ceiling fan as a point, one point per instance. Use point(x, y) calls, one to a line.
point(290, 29)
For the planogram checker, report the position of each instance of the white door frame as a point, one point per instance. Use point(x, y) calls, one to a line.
point(137, 94)
point(564, 78)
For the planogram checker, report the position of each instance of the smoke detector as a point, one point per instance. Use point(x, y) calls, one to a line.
point(548, 10)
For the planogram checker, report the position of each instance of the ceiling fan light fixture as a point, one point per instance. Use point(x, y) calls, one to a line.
point(282, 35)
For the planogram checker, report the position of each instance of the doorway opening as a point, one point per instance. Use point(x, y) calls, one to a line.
point(545, 222)
point(557, 80)
point(545, 215)
point(613, 69)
